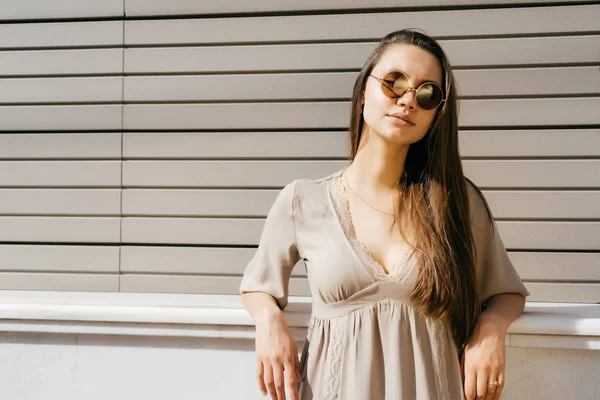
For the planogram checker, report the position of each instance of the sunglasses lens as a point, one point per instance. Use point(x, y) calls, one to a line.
point(429, 96)
point(394, 85)
point(400, 85)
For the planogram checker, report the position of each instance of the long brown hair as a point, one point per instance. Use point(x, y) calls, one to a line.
point(433, 201)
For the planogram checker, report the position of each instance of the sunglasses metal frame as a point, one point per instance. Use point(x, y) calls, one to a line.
point(381, 80)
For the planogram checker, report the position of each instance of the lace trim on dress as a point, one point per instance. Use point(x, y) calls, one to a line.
point(333, 362)
point(437, 337)
point(342, 207)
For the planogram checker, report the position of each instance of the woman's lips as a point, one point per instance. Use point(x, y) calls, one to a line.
point(401, 120)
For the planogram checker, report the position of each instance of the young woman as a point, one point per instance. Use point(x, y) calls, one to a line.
point(412, 288)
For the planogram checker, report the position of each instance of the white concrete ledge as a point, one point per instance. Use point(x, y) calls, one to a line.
point(543, 325)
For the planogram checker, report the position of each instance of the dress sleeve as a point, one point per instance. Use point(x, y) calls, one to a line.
point(494, 271)
point(270, 268)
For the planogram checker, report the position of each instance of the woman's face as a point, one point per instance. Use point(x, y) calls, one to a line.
point(382, 114)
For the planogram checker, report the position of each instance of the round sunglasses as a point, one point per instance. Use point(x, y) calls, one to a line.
point(395, 84)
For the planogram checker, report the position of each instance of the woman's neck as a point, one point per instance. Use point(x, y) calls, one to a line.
point(378, 165)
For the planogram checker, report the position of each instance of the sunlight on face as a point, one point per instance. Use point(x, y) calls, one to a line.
point(400, 121)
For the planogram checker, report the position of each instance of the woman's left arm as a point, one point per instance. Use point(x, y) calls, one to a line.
point(483, 360)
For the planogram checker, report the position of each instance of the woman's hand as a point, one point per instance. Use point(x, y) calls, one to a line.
point(277, 361)
point(483, 361)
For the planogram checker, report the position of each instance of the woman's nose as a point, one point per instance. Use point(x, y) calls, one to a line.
point(408, 99)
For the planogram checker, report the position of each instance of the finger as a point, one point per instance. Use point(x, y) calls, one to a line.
point(500, 387)
point(461, 363)
point(290, 377)
point(482, 385)
point(279, 381)
point(298, 370)
point(260, 377)
point(470, 382)
point(491, 389)
point(462, 367)
point(269, 381)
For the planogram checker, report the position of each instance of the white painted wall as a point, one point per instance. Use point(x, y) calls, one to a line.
point(90, 367)
point(68, 346)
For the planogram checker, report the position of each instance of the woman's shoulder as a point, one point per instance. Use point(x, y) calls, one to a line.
point(304, 187)
point(309, 194)
point(478, 206)
point(473, 190)
point(310, 185)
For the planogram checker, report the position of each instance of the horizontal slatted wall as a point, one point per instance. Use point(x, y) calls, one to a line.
point(61, 95)
point(222, 111)
point(211, 99)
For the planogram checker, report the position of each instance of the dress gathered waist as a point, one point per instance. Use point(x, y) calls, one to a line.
point(373, 294)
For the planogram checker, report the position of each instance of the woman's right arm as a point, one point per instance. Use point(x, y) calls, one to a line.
point(277, 364)
point(264, 289)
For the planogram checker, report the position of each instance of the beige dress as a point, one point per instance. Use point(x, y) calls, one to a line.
point(365, 340)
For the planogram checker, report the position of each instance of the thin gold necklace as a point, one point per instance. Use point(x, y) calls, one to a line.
point(361, 199)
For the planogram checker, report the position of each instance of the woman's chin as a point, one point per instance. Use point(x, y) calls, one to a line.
point(400, 137)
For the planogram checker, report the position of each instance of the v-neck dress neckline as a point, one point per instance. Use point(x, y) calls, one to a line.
point(400, 271)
